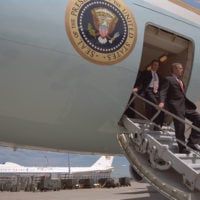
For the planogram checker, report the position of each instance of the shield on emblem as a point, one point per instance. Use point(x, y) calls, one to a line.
point(103, 30)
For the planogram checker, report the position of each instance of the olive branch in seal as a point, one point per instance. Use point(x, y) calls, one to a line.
point(91, 30)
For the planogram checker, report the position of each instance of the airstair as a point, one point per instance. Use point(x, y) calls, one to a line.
point(154, 155)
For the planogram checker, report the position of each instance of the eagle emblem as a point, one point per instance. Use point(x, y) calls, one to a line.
point(104, 25)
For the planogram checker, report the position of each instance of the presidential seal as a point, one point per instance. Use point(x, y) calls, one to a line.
point(102, 31)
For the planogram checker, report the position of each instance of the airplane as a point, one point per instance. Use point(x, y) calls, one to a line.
point(68, 67)
point(101, 168)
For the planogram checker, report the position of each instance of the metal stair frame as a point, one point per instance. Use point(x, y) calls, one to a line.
point(138, 137)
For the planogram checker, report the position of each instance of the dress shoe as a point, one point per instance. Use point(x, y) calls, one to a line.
point(184, 151)
point(195, 147)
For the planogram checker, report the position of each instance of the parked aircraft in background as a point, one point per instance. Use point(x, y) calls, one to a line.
point(102, 167)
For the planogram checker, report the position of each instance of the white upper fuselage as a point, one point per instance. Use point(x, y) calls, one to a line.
point(53, 98)
point(15, 168)
point(177, 11)
point(102, 165)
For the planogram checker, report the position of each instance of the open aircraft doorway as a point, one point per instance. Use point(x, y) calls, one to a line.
point(159, 42)
point(168, 47)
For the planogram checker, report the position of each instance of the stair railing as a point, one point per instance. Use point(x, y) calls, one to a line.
point(136, 95)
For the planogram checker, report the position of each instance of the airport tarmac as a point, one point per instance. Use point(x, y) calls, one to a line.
point(140, 191)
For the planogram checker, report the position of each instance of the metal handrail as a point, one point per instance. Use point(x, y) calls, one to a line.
point(165, 111)
point(135, 95)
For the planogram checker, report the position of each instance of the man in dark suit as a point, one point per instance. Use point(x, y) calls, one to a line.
point(173, 95)
point(147, 85)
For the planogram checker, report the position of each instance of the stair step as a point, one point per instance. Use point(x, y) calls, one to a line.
point(195, 166)
point(166, 140)
point(167, 128)
point(163, 137)
point(172, 133)
point(189, 159)
point(187, 156)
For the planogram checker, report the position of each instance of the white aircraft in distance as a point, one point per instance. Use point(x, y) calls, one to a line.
point(67, 69)
point(102, 167)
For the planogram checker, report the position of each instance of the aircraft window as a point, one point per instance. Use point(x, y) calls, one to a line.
point(168, 47)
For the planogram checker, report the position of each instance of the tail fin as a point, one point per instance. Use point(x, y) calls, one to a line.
point(103, 162)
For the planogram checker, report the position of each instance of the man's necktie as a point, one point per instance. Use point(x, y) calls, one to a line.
point(155, 82)
point(181, 85)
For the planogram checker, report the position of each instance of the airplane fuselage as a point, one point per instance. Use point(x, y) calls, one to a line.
point(53, 96)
